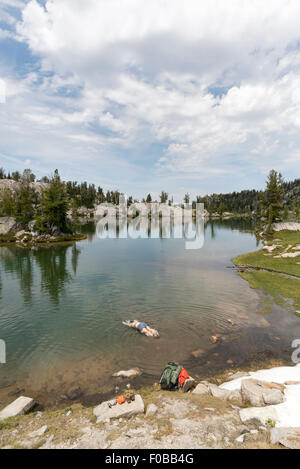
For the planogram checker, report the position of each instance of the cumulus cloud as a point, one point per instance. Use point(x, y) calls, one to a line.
point(193, 89)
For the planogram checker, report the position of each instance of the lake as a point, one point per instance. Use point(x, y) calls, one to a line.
point(62, 307)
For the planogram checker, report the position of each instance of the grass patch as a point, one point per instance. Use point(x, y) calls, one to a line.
point(164, 429)
point(263, 260)
point(287, 237)
point(8, 424)
point(281, 288)
point(284, 290)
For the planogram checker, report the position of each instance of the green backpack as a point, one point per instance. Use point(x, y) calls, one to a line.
point(169, 377)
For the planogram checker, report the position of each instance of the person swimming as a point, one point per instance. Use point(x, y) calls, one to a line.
point(142, 327)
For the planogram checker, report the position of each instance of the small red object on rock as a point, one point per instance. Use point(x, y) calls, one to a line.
point(121, 400)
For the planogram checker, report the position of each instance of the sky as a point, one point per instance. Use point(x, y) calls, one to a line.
point(143, 96)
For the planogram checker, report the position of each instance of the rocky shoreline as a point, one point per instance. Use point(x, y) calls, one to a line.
point(13, 233)
point(248, 410)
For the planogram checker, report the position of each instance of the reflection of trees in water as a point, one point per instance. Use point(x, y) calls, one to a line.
point(75, 255)
point(242, 223)
point(53, 268)
point(19, 262)
point(212, 230)
point(52, 263)
point(89, 229)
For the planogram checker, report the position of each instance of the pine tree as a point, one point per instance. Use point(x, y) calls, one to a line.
point(163, 197)
point(16, 175)
point(273, 196)
point(222, 208)
point(54, 207)
point(186, 198)
point(26, 199)
point(7, 203)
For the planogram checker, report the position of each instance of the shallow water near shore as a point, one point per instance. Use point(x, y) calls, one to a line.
point(62, 307)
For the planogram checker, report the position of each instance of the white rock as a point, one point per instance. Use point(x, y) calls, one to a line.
point(48, 441)
point(235, 396)
point(20, 234)
point(103, 411)
point(288, 254)
point(240, 439)
point(288, 412)
point(39, 432)
point(270, 248)
point(273, 397)
point(252, 393)
point(238, 374)
point(151, 410)
point(259, 414)
point(201, 389)
point(288, 437)
point(218, 392)
point(18, 407)
point(7, 224)
point(290, 226)
point(279, 374)
point(260, 393)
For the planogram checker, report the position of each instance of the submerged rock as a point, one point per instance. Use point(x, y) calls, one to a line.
point(215, 338)
point(198, 353)
point(74, 393)
point(128, 374)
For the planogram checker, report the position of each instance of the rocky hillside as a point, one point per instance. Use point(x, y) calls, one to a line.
point(292, 192)
point(14, 185)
